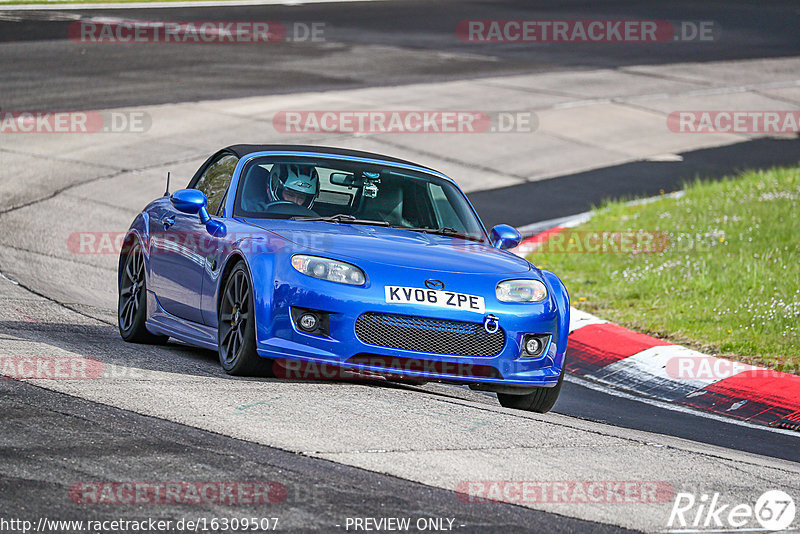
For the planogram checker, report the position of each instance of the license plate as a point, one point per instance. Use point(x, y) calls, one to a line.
point(435, 297)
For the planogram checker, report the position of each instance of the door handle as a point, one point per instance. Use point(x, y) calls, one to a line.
point(167, 222)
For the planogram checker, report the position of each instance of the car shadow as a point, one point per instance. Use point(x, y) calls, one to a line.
point(103, 343)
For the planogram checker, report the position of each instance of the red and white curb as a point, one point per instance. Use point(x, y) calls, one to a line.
point(610, 354)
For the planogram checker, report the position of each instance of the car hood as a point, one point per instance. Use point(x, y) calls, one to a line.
point(392, 246)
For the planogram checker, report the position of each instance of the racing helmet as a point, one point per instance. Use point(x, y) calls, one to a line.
point(297, 177)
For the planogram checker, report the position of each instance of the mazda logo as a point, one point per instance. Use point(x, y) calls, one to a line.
point(434, 284)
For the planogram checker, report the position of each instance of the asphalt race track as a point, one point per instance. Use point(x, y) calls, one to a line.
point(344, 450)
point(366, 44)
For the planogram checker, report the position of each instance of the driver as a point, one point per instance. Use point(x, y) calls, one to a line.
point(294, 182)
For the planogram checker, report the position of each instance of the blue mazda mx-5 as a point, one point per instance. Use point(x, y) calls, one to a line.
point(293, 255)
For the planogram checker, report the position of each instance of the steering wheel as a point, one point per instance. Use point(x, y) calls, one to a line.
point(284, 207)
point(277, 203)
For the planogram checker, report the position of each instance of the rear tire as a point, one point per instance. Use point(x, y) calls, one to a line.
point(541, 401)
point(132, 303)
point(236, 337)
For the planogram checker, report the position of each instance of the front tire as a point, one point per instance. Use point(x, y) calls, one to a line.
point(132, 303)
point(236, 327)
point(541, 401)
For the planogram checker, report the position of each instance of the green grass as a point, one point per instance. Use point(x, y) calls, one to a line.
point(727, 282)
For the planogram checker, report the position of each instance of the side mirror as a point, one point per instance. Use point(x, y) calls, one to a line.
point(193, 201)
point(504, 236)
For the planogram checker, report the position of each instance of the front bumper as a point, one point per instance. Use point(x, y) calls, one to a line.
point(278, 337)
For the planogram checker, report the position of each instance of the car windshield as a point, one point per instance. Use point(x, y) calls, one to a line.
point(348, 192)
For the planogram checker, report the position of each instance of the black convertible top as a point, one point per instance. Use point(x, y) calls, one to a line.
point(243, 150)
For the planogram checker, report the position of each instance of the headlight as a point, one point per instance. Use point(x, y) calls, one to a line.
point(521, 291)
point(327, 269)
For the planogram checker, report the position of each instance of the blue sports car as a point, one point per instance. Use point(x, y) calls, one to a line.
point(278, 256)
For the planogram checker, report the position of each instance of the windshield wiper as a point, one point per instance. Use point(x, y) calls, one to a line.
point(342, 218)
point(446, 231)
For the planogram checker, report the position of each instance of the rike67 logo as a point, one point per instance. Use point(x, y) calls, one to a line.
point(774, 510)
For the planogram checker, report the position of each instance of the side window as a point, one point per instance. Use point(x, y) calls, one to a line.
point(215, 181)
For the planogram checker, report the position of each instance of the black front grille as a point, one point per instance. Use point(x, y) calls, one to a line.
point(436, 336)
